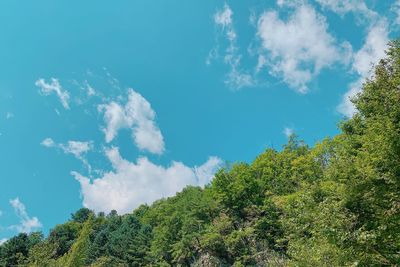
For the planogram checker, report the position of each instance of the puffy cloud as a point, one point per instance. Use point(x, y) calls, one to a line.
point(27, 224)
point(136, 115)
point(54, 87)
point(236, 77)
point(3, 240)
point(370, 53)
point(132, 184)
point(299, 47)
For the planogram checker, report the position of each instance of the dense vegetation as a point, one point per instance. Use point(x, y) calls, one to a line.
point(335, 204)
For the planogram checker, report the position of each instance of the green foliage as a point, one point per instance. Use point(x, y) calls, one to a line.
point(177, 225)
point(15, 250)
point(334, 204)
point(374, 185)
point(78, 254)
point(63, 236)
point(82, 215)
point(42, 254)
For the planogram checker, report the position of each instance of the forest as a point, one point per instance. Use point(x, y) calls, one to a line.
point(336, 203)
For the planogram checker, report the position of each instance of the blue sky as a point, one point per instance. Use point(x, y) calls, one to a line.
point(109, 104)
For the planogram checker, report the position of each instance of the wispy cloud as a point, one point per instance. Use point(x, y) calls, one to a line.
point(137, 115)
point(358, 7)
point(90, 90)
point(54, 86)
point(76, 148)
point(27, 224)
point(396, 9)
point(236, 78)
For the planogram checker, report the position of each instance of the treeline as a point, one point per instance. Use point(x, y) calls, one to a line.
point(334, 204)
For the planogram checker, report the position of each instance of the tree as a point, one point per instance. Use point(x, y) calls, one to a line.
point(372, 139)
point(78, 254)
point(14, 251)
point(63, 236)
point(82, 215)
point(42, 254)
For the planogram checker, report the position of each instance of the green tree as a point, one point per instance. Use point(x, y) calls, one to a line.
point(78, 254)
point(63, 236)
point(82, 215)
point(372, 139)
point(42, 254)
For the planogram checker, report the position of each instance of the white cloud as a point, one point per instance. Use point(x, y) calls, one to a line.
point(132, 184)
point(205, 172)
point(287, 131)
point(54, 86)
point(290, 3)
point(224, 18)
point(27, 224)
point(236, 78)
point(373, 49)
point(261, 63)
point(3, 240)
point(346, 107)
point(136, 115)
point(299, 47)
point(76, 148)
point(115, 118)
point(370, 53)
point(48, 142)
point(396, 9)
point(341, 7)
point(89, 89)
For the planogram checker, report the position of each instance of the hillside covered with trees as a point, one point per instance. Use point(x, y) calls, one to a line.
point(334, 204)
